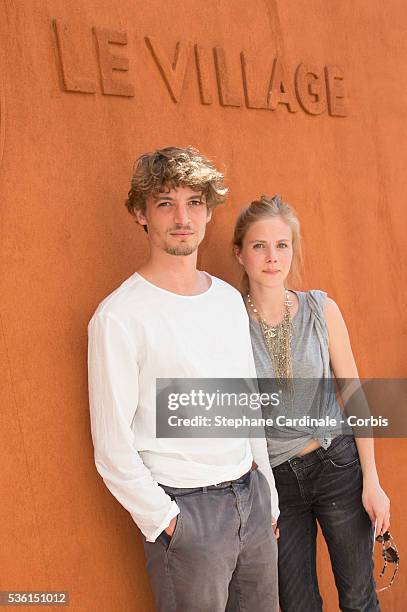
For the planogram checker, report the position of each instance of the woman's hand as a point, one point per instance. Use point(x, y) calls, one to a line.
point(376, 504)
point(275, 528)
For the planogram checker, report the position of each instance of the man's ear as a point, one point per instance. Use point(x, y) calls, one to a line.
point(238, 255)
point(141, 217)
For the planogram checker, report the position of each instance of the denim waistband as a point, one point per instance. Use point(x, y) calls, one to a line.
point(215, 487)
point(318, 454)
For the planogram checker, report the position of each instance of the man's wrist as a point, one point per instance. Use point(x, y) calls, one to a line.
point(169, 530)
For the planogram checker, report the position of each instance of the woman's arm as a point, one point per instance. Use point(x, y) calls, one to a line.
point(374, 499)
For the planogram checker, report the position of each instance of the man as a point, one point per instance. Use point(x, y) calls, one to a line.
point(205, 513)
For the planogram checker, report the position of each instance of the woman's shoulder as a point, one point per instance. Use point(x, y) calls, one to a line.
point(314, 297)
point(316, 301)
point(324, 308)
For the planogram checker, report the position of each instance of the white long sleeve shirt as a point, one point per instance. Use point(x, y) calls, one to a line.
point(141, 332)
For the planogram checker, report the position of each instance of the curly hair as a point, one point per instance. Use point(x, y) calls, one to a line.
point(265, 208)
point(164, 169)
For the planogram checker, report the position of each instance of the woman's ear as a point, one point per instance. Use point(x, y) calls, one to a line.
point(238, 255)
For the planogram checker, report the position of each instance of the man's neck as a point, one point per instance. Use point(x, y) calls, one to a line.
point(175, 273)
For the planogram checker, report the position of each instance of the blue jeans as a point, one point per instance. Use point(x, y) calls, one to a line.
point(324, 486)
point(222, 555)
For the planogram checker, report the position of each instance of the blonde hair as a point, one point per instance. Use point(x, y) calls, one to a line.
point(266, 208)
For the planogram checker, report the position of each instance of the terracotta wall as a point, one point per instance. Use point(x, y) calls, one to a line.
point(70, 128)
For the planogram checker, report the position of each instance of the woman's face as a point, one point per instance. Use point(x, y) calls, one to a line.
point(267, 252)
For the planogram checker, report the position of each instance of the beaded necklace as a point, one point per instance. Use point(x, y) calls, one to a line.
point(277, 338)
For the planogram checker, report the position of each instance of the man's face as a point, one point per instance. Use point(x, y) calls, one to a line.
point(176, 220)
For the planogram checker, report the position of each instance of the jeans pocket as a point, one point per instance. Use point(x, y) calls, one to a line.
point(282, 468)
point(164, 538)
point(169, 541)
point(266, 487)
point(344, 455)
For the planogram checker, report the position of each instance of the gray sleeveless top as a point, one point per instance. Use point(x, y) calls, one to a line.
point(310, 359)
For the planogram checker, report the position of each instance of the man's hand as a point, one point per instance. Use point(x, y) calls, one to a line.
point(170, 529)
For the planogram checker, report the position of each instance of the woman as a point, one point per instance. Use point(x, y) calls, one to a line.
point(321, 475)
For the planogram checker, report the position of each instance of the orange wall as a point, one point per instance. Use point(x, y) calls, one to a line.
point(67, 240)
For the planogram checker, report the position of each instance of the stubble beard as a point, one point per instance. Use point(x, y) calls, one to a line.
point(183, 250)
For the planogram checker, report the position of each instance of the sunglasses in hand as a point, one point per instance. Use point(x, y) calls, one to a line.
point(390, 555)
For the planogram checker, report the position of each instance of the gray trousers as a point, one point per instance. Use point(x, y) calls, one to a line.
point(222, 555)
